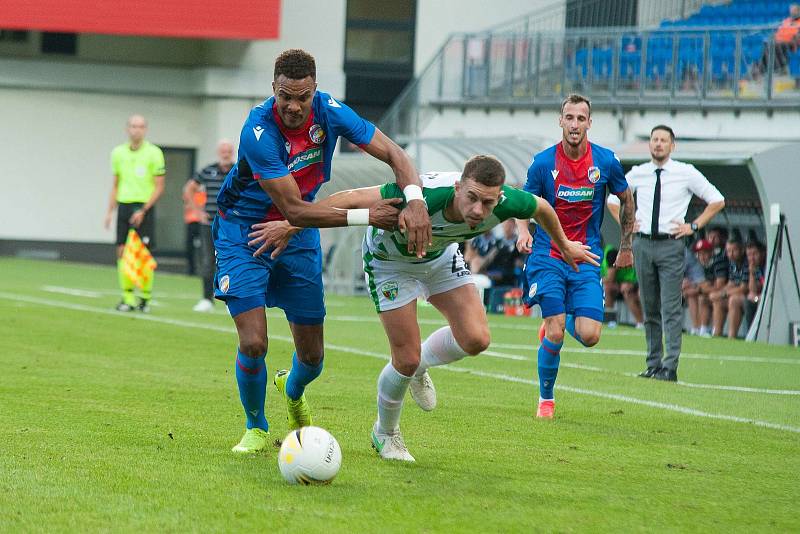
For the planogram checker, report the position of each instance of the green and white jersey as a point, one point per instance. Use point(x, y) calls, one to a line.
point(438, 190)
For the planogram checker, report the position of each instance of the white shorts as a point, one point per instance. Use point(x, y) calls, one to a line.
point(393, 284)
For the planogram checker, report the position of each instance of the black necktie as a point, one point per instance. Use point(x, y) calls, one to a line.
point(656, 204)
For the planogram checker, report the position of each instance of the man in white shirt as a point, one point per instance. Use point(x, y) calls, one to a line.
point(663, 188)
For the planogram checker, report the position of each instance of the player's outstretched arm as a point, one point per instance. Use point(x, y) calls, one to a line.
point(366, 202)
point(414, 220)
point(572, 251)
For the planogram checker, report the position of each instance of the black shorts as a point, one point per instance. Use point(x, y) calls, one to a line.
point(146, 230)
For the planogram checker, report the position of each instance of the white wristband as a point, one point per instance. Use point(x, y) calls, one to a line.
point(413, 192)
point(359, 217)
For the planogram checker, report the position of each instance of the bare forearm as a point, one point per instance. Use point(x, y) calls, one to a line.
point(626, 220)
point(711, 210)
point(157, 192)
point(352, 198)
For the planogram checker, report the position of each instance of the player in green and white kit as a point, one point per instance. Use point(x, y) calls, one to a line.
point(461, 206)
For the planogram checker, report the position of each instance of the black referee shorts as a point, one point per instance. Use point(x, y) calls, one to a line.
point(146, 230)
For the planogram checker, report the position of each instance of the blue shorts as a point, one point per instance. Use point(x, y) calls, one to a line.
point(557, 288)
point(291, 282)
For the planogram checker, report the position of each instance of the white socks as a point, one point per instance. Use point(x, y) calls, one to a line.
point(392, 388)
point(439, 349)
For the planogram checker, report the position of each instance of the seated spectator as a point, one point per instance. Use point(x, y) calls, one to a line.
point(787, 39)
point(715, 271)
point(729, 300)
point(620, 282)
point(717, 236)
point(756, 269)
point(503, 264)
point(476, 250)
point(694, 275)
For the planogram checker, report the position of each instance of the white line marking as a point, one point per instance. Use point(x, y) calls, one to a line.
point(743, 389)
point(351, 350)
point(72, 291)
point(642, 354)
point(633, 400)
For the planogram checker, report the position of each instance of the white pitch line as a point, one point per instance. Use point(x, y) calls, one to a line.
point(642, 354)
point(384, 357)
point(743, 389)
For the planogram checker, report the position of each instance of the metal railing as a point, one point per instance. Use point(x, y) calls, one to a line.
point(669, 68)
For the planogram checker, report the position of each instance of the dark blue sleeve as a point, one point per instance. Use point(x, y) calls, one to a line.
point(616, 179)
point(262, 147)
point(534, 183)
point(347, 123)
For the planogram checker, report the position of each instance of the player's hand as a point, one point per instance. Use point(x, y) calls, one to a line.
point(137, 218)
point(271, 234)
point(415, 223)
point(107, 221)
point(680, 230)
point(524, 242)
point(575, 252)
point(383, 214)
point(624, 259)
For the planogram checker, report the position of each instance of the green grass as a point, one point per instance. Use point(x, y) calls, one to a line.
point(124, 422)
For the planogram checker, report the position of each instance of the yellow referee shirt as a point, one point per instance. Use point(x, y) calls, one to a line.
point(136, 171)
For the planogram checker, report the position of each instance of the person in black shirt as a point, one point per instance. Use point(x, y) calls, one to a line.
point(730, 298)
point(206, 184)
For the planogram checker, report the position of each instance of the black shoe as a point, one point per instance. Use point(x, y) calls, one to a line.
point(667, 375)
point(123, 307)
point(650, 372)
point(144, 305)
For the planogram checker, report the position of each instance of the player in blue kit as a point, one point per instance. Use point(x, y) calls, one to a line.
point(285, 151)
point(573, 177)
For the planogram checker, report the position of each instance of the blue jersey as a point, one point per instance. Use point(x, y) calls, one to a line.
point(577, 192)
point(268, 150)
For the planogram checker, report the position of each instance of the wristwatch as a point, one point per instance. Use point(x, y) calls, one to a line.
point(694, 227)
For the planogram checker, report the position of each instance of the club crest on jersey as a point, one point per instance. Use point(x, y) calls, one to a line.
point(593, 174)
point(575, 194)
point(389, 290)
point(532, 290)
point(316, 134)
point(224, 283)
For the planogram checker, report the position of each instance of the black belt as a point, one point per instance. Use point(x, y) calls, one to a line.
point(657, 237)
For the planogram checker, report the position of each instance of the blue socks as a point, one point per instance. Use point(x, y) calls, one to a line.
point(251, 377)
point(548, 359)
point(571, 329)
point(300, 376)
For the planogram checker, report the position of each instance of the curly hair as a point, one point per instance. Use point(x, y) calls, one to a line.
point(485, 169)
point(295, 64)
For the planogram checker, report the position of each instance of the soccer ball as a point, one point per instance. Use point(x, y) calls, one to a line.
point(309, 455)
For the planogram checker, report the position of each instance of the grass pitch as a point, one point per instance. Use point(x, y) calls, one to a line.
point(124, 422)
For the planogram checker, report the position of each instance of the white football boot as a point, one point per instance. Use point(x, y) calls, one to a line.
point(390, 446)
point(423, 392)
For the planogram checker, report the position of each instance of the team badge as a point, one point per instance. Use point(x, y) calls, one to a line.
point(532, 290)
point(389, 290)
point(594, 174)
point(224, 283)
point(316, 134)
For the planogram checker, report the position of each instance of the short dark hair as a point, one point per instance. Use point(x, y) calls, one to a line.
point(665, 128)
point(295, 64)
point(575, 98)
point(484, 169)
point(721, 230)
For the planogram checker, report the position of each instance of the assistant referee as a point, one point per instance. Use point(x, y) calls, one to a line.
point(138, 168)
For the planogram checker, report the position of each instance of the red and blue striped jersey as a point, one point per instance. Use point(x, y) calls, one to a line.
point(577, 192)
point(268, 150)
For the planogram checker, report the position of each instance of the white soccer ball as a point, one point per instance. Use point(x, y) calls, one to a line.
point(309, 455)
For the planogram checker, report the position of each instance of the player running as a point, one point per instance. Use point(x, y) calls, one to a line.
point(573, 176)
point(285, 152)
point(461, 206)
